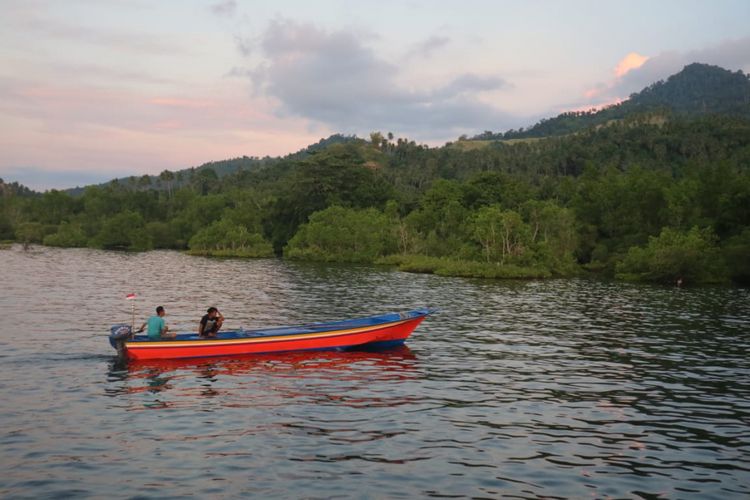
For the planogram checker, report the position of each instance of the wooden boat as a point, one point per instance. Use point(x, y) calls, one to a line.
point(374, 332)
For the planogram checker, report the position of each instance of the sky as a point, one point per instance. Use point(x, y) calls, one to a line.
point(91, 90)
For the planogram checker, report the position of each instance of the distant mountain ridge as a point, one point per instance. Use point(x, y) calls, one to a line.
point(220, 167)
point(699, 89)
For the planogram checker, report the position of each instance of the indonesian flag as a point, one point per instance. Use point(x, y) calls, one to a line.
point(130, 296)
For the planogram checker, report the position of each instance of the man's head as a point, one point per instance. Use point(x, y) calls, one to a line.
point(160, 311)
point(212, 312)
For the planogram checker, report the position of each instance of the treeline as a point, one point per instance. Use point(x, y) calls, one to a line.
point(638, 200)
point(699, 89)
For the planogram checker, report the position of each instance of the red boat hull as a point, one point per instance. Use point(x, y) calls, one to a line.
point(392, 333)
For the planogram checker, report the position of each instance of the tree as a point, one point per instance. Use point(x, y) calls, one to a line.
point(168, 178)
point(144, 182)
point(554, 231)
point(123, 231)
point(6, 228)
point(69, 235)
point(441, 220)
point(53, 207)
point(33, 232)
point(335, 176)
point(224, 238)
point(376, 139)
point(343, 235)
point(503, 235)
point(736, 252)
point(402, 233)
point(690, 257)
point(204, 180)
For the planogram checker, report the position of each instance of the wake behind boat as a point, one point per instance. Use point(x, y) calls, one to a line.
point(377, 332)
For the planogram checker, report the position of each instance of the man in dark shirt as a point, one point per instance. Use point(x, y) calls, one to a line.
point(210, 323)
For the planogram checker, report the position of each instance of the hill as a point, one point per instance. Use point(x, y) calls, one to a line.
point(14, 189)
point(699, 89)
point(221, 168)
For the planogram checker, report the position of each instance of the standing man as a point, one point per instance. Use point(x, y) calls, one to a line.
point(157, 327)
point(210, 323)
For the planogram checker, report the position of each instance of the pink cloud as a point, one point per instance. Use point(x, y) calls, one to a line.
point(181, 103)
point(631, 61)
point(602, 92)
point(635, 71)
point(127, 130)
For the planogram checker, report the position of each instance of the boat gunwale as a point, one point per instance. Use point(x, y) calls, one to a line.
point(198, 342)
point(266, 335)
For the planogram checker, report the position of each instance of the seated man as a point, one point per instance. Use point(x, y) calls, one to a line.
point(210, 323)
point(157, 327)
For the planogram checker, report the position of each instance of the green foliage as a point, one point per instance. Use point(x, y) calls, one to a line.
point(336, 176)
point(504, 237)
point(342, 235)
point(204, 180)
point(736, 253)
point(69, 235)
point(440, 225)
point(698, 89)
point(7, 232)
point(162, 235)
point(123, 231)
point(468, 269)
point(53, 207)
point(554, 234)
point(223, 238)
point(33, 232)
point(597, 198)
point(691, 257)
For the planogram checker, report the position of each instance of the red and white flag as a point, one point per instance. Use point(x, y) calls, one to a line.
point(130, 296)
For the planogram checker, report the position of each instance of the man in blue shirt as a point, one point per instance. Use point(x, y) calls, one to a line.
point(157, 327)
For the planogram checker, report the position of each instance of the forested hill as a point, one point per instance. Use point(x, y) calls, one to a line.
point(664, 200)
point(214, 170)
point(699, 89)
point(639, 200)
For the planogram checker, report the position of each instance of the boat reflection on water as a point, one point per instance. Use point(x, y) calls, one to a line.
point(329, 376)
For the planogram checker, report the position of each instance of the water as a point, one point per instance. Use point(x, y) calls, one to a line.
point(560, 388)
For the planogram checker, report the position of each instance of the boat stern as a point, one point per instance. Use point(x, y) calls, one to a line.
point(118, 334)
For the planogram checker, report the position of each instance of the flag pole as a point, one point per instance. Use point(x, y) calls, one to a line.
point(131, 297)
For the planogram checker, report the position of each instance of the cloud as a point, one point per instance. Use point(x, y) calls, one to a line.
point(631, 77)
point(730, 54)
point(181, 103)
point(244, 45)
point(46, 26)
point(629, 62)
point(88, 128)
point(427, 48)
point(335, 78)
point(468, 83)
point(226, 8)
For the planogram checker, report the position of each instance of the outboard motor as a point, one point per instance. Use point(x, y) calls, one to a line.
point(118, 334)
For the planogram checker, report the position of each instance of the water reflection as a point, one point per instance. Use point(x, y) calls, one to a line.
point(397, 358)
point(319, 376)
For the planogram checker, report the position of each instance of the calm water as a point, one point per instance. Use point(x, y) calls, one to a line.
point(535, 389)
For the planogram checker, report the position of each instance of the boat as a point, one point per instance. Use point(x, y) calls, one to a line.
point(373, 332)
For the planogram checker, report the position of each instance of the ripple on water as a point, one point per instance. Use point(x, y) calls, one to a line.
point(560, 388)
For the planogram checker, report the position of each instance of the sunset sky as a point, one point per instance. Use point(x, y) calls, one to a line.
point(94, 89)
